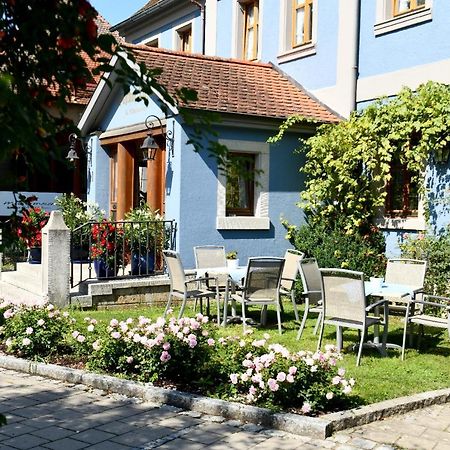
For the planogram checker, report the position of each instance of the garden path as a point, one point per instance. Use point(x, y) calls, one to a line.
point(49, 414)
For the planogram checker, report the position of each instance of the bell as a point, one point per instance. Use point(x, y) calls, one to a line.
point(72, 155)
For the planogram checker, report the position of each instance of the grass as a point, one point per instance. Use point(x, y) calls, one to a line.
point(377, 378)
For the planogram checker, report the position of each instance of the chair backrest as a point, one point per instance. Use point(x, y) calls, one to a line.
point(290, 270)
point(176, 271)
point(410, 272)
point(209, 256)
point(310, 275)
point(344, 297)
point(263, 278)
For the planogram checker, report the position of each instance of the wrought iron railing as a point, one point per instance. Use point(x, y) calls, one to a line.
point(120, 249)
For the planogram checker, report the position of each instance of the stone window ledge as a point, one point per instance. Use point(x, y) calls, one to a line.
point(243, 223)
point(296, 53)
point(403, 21)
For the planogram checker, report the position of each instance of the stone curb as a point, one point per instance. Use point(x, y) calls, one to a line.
point(317, 427)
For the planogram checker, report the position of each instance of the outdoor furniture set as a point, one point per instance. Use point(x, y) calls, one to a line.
point(340, 297)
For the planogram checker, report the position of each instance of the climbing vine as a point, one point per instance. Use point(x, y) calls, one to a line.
point(348, 164)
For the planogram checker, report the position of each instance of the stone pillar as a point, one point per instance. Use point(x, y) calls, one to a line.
point(56, 260)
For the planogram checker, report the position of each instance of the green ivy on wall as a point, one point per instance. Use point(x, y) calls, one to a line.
point(348, 164)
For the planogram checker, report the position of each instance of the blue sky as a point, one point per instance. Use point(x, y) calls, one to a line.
point(115, 11)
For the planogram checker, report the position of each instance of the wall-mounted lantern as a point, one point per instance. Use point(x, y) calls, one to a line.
point(149, 147)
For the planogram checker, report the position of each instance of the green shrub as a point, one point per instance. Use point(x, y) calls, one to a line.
point(333, 246)
point(436, 251)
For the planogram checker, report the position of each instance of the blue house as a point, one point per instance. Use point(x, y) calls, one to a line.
point(251, 99)
point(345, 53)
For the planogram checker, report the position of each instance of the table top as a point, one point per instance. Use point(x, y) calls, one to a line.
point(236, 273)
point(389, 289)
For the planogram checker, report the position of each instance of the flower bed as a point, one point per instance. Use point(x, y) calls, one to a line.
point(183, 352)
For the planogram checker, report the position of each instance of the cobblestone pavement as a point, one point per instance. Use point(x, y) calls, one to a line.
point(48, 414)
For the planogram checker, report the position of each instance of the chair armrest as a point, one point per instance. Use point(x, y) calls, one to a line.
point(195, 280)
point(376, 304)
point(439, 305)
point(306, 293)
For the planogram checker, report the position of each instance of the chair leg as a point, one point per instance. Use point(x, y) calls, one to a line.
point(279, 318)
point(316, 327)
point(244, 320)
point(294, 305)
point(420, 336)
point(168, 305)
point(218, 306)
point(183, 305)
point(319, 343)
point(302, 325)
point(358, 359)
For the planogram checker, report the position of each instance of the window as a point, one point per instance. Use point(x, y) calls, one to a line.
point(402, 193)
point(185, 38)
point(240, 189)
point(392, 15)
point(243, 204)
point(404, 6)
point(251, 25)
point(302, 20)
point(153, 43)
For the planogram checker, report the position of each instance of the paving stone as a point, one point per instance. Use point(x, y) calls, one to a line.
point(16, 429)
point(117, 427)
point(414, 442)
point(202, 436)
point(108, 445)
point(52, 433)
point(25, 441)
point(182, 444)
point(142, 436)
point(252, 427)
point(93, 436)
point(67, 444)
point(179, 421)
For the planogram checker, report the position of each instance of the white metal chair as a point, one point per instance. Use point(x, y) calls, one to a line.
point(179, 284)
point(312, 291)
point(430, 311)
point(289, 276)
point(410, 272)
point(207, 256)
point(345, 305)
point(262, 285)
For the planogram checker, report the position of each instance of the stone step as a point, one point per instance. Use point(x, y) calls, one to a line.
point(83, 301)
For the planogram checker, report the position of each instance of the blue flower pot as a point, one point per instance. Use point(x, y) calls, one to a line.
point(102, 270)
point(34, 255)
point(142, 263)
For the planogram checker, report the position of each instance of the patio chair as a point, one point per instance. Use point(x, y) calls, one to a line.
point(209, 256)
point(312, 291)
point(262, 286)
point(289, 276)
point(430, 311)
point(179, 284)
point(410, 272)
point(345, 305)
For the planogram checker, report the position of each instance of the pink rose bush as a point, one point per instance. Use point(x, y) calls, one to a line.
point(186, 352)
point(34, 331)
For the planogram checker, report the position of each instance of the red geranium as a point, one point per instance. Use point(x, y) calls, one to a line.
point(29, 230)
point(108, 243)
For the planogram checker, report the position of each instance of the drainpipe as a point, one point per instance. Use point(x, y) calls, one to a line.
point(202, 6)
point(356, 47)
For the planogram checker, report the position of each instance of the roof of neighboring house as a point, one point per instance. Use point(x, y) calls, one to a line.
point(233, 86)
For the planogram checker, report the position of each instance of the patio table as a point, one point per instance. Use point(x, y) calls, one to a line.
point(235, 275)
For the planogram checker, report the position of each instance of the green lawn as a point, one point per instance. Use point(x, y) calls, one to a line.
point(377, 378)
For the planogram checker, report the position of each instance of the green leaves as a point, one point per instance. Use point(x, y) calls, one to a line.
point(348, 165)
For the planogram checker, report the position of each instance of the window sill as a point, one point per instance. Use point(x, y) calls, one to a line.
point(403, 21)
point(296, 53)
point(243, 223)
point(401, 223)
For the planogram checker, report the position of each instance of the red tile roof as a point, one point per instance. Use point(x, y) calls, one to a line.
point(233, 86)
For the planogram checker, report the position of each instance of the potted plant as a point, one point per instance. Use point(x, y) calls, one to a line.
point(232, 259)
point(29, 231)
point(144, 232)
point(107, 249)
point(77, 214)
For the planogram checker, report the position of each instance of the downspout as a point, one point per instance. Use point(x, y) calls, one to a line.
point(356, 47)
point(202, 7)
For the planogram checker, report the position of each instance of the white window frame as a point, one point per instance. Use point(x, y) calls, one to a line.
point(286, 51)
point(238, 29)
point(260, 220)
point(386, 22)
point(156, 37)
point(176, 35)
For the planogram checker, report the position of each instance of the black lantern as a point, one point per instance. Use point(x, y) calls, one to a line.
point(149, 147)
